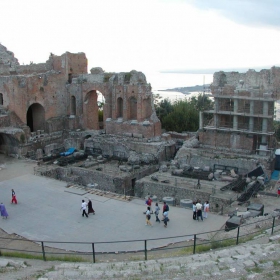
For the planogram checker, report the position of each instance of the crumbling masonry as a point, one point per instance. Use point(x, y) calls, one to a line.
point(58, 96)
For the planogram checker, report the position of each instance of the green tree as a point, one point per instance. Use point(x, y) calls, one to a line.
point(163, 108)
point(183, 115)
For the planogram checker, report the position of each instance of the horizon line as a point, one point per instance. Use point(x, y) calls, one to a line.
point(213, 70)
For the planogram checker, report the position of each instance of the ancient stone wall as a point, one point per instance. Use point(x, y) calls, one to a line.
point(60, 95)
point(144, 188)
point(265, 80)
point(227, 140)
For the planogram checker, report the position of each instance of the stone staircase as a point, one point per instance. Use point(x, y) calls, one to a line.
point(258, 260)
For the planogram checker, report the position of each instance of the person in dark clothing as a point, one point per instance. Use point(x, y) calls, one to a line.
point(165, 208)
point(194, 210)
point(165, 218)
point(90, 209)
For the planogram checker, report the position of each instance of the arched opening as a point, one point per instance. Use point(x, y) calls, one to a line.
point(119, 107)
point(35, 117)
point(222, 80)
point(147, 108)
point(132, 108)
point(94, 103)
point(73, 106)
point(8, 144)
point(1, 99)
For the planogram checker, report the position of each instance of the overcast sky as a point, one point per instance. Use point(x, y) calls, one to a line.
point(146, 35)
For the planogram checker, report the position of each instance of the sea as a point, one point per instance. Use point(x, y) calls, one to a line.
point(160, 82)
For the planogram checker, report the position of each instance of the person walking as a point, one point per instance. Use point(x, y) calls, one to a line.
point(90, 209)
point(14, 198)
point(84, 208)
point(165, 218)
point(194, 210)
point(206, 209)
point(148, 216)
point(157, 208)
point(165, 208)
point(3, 211)
point(149, 203)
point(199, 210)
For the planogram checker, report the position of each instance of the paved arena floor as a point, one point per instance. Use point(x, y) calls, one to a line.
point(48, 211)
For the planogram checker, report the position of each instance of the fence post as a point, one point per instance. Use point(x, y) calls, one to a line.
point(237, 237)
point(93, 252)
point(145, 250)
point(272, 225)
point(43, 251)
point(194, 243)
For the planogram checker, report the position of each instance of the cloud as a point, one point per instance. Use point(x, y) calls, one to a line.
point(256, 13)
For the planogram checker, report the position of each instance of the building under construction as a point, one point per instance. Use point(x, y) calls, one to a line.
point(242, 118)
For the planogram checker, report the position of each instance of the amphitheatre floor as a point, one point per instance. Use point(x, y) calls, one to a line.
point(48, 211)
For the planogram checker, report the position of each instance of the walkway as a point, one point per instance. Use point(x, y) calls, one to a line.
point(47, 210)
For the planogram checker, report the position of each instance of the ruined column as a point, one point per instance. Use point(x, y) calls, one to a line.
point(201, 121)
point(215, 114)
point(265, 113)
point(251, 119)
point(235, 118)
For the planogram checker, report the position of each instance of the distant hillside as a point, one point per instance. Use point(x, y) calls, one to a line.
point(187, 90)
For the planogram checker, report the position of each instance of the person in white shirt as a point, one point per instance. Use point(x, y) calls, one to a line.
point(148, 216)
point(199, 210)
point(84, 208)
point(206, 209)
point(194, 210)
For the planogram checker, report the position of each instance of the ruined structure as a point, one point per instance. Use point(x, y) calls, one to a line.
point(50, 99)
point(242, 119)
point(51, 106)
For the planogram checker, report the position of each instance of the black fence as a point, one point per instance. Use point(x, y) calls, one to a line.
point(197, 243)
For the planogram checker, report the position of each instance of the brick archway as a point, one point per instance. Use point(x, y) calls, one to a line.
point(91, 108)
point(35, 117)
point(132, 108)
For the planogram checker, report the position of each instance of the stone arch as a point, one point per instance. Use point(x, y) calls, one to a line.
point(1, 99)
point(35, 117)
point(73, 106)
point(8, 144)
point(119, 107)
point(222, 80)
point(94, 102)
point(132, 108)
point(147, 108)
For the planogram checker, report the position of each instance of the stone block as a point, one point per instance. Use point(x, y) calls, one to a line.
point(249, 263)
point(274, 238)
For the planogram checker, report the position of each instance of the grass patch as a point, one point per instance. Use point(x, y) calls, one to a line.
point(256, 269)
point(64, 258)
point(21, 255)
point(276, 263)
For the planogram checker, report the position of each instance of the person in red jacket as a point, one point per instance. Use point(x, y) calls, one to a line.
point(149, 204)
point(14, 198)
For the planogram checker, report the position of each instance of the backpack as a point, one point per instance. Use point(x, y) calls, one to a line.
point(166, 207)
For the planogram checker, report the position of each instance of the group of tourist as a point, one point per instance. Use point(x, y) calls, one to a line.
point(3, 210)
point(149, 211)
point(85, 206)
point(198, 208)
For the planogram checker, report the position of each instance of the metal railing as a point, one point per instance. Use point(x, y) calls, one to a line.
point(199, 242)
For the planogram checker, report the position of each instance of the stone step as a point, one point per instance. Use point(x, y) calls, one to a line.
point(257, 260)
